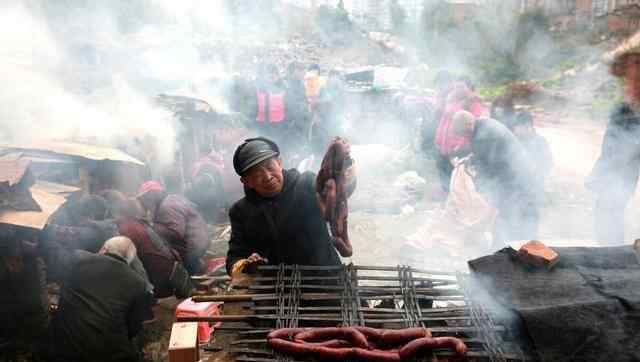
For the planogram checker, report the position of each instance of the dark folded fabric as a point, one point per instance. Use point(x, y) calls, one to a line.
point(585, 309)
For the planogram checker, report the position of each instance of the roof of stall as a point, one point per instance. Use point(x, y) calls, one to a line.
point(56, 188)
point(12, 171)
point(90, 152)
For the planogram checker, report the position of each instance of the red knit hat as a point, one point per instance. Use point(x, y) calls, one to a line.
point(150, 186)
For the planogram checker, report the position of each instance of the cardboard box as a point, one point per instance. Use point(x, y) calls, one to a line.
point(183, 344)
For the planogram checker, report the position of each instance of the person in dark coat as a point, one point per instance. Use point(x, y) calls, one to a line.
point(23, 296)
point(504, 173)
point(278, 220)
point(329, 108)
point(103, 303)
point(178, 221)
point(297, 108)
point(206, 189)
point(615, 174)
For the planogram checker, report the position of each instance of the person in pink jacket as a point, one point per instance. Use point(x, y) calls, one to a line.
point(178, 221)
point(461, 97)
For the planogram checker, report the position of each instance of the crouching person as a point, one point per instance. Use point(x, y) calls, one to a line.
point(505, 174)
point(103, 303)
point(23, 295)
point(178, 221)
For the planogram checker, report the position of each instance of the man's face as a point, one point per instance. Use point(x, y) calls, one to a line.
point(266, 178)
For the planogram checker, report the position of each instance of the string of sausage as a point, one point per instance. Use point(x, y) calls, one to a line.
point(369, 344)
point(332, 191)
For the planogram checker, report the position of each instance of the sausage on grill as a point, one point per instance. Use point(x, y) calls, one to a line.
point(413, 348)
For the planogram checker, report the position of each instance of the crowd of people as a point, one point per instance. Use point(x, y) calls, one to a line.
point(114, 256)
point(301, 110)
point(509, 160)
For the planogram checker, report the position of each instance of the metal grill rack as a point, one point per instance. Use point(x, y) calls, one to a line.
point(381, 297)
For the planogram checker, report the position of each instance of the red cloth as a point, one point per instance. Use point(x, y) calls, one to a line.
point(156, 257)
point(446, 140)
point(270, 107)
point(150, 186)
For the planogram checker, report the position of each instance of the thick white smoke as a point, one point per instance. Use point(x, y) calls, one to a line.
point(84, 71)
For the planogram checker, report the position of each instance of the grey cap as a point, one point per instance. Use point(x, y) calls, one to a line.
point(252, 152)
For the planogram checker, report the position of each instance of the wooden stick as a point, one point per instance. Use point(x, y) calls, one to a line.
point(363, 289)
point(311, 296)
point(437, 311)
point(336, 319)
point(356, 267)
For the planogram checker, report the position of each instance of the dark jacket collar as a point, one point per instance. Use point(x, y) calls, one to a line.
point(290, 178)
point(116, 257)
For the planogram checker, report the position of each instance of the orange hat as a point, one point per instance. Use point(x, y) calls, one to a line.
point(149, 186)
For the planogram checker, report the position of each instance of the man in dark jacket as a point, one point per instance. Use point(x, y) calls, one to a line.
point(329, 109)
point(278, 220)
point(615, 174)
point(504, 173)
point(297, 108)
point(178, 221)
point(206, 190)
point(103, 303)
point(23, 295)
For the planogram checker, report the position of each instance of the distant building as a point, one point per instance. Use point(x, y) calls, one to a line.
point(607, 15)
point(374, 15)
point(624, 16)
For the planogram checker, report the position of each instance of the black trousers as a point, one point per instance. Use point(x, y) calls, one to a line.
point(444, 171)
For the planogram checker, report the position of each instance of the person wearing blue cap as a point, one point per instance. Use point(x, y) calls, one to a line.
point(278, 220)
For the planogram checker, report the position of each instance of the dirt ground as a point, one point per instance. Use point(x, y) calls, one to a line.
point(566, 217)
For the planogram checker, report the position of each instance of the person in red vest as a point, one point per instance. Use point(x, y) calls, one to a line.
point(270, 104)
